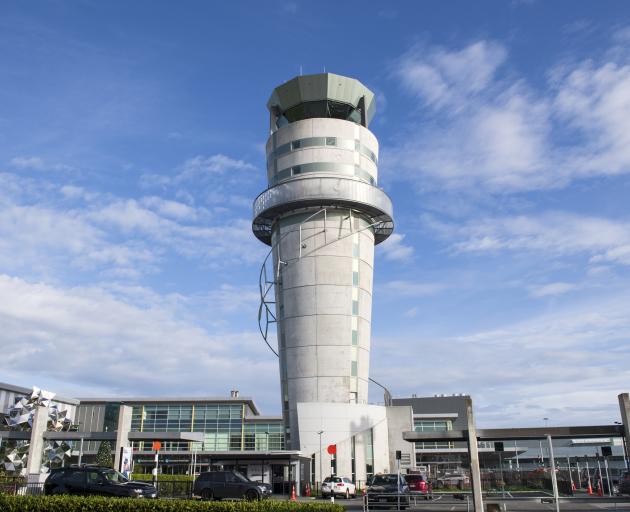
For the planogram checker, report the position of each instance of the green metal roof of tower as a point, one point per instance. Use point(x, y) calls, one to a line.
point(322, 86)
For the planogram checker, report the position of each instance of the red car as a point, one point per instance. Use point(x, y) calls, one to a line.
point(418, 484)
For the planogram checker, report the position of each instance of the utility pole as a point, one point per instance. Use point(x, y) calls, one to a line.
point(554, 481)
point(320, 432)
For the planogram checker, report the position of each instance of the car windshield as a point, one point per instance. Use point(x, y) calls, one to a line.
point(241, 477)
point(114, 476)
point(384, 480)
point(335, 479)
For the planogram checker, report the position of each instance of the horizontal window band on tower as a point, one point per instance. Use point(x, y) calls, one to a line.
point(309, 142)
point(329, 167)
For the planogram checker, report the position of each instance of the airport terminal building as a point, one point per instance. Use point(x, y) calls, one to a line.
point(197, 434)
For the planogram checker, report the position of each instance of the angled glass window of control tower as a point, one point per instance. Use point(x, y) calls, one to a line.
point(322, 214)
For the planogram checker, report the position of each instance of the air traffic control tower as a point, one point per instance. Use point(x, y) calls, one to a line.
point(322, 214)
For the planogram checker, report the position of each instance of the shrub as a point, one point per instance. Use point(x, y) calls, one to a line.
point(102, 504)
point(104, 455)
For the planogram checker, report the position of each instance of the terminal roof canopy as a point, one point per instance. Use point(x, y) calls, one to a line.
point(326, 89)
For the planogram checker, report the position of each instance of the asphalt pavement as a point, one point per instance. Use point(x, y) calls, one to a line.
point(530, 503)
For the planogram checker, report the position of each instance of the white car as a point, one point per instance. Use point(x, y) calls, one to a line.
point(338, 486)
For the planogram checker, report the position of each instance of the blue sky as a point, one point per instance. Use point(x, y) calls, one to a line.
point(131, 148)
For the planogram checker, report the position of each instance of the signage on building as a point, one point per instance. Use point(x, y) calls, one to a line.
point(126, 461)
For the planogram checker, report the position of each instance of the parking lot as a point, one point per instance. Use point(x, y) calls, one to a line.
point(530, 503)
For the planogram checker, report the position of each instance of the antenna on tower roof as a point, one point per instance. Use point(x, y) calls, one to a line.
point(300, 69)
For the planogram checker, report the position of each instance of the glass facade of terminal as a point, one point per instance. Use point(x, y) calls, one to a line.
point(225, 427)
point(432, 426)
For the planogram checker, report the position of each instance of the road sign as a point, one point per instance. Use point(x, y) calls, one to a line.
point(157, 445)
point(332, 449)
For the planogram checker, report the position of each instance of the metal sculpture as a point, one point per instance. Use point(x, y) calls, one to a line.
point(19, 417)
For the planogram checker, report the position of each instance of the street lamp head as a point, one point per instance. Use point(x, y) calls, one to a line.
point(320, 432)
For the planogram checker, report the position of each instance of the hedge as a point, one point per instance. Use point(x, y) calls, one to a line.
point(103, 504)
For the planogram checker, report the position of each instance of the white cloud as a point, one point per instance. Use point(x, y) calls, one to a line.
point(550, 233)
point(411, 312)
point(168, 208)
point(551, 289)
point(413, 289)
point(595, 100)
point(40, 239)
point(32, 162)
point(394, 249)
point(37, 163)
point(229, 298)
point(200, 166)
point(442, 78)
point(568, 365)
point(484, 127)
point(41, 235)
point(76, 337)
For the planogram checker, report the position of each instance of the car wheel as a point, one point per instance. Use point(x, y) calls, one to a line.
point(347, 494)
point(206, 494)
point(251, 495)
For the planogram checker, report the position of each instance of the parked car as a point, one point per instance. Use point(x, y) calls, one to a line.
point(95, 480)
point(457, 480)
point(338, 486)
point(215, 485)
point(418, 485)
point(387, 490)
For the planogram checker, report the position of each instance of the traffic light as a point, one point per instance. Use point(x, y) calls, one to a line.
point(498, 446)
point(398, 454)
point(606, 451)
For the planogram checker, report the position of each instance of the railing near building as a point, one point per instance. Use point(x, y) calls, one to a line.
point(21, 488)
point(175, 489)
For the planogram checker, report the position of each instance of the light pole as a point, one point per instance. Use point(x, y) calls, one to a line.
point(319, 433)
point(542, 457)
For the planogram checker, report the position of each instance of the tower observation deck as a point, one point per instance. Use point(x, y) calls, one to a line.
point(322, 214)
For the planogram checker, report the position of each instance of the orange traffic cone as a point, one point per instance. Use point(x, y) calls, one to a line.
point(600, 491)
point(308, 489)
point(573, 488)
point(589, 489)
point(293, 498)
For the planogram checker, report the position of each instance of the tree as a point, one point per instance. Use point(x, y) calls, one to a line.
point(104, 455)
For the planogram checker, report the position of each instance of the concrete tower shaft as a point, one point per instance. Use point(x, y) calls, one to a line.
point(322, 215)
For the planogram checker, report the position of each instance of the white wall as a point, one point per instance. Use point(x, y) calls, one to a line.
point(340, 422)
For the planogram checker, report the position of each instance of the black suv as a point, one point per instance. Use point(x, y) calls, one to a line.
point(95, 480)
point(215, 485)
point(388, 490)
